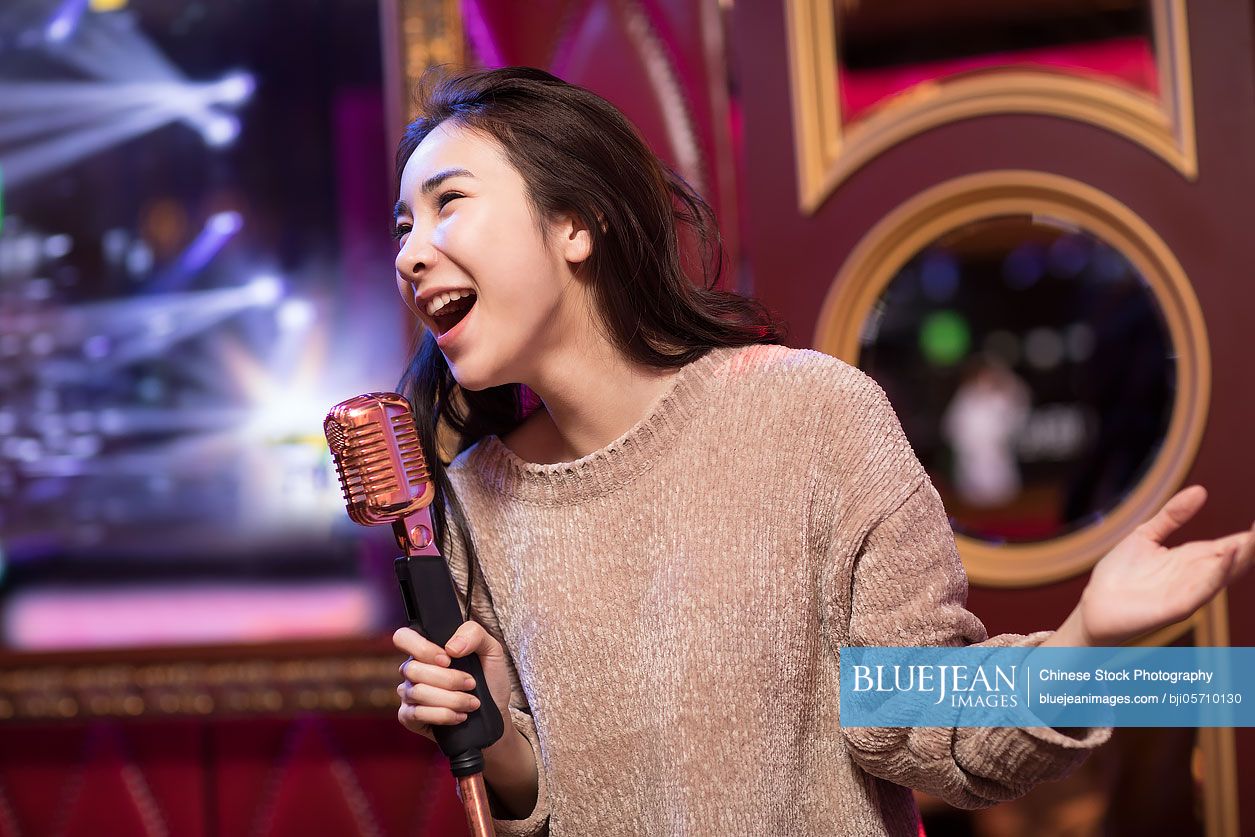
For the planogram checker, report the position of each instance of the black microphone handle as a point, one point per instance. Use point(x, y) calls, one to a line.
point(431, 606)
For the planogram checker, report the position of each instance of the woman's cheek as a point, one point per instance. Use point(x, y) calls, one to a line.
point(442, 236)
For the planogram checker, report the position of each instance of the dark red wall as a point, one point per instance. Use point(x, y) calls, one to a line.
point(1208, 225)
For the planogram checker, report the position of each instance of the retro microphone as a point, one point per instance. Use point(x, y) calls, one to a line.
point(379, 459)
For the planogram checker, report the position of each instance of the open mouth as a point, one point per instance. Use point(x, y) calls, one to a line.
point(453, 313)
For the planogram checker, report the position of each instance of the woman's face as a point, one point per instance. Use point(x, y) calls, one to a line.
point(465, 226)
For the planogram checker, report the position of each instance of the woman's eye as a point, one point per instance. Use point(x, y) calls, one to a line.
point(400, 230)
point(444, 199)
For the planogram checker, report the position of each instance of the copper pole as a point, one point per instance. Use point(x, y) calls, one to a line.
point(475, 799)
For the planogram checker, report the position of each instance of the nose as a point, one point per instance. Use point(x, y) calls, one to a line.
point(416, 256)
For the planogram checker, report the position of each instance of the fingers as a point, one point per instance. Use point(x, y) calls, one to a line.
point(1180, 508)
point(1244, 554)
point(434, 693)
point(471, 637)
point(424, 705)
point(443, 678)
point(421, 719)
point(429, 697)
point(419, 647)
point(1231, 555)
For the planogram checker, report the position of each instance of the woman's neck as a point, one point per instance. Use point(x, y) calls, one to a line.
point(589, 399)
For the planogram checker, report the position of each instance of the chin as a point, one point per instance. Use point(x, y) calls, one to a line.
point(474, 379)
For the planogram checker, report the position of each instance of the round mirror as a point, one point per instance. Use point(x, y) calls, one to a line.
point(1033, 372)
point(1047, 357)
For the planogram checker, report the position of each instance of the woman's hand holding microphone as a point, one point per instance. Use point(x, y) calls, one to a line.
point(433, 693)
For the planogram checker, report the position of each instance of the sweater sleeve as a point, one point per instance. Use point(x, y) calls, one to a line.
point(536, 823)
point(907, 587)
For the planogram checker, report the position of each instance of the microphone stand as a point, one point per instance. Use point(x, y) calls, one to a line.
point(432, 609)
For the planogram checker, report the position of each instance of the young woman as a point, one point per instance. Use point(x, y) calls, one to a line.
point(667, 524)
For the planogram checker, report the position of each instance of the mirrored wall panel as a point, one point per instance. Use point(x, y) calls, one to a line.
point(1033, 371)
point(194, 266)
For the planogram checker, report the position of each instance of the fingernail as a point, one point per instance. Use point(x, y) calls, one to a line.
point(455, 646)
point(443, 659)
point(461, 716)
point(474, 703)
point(468, 683)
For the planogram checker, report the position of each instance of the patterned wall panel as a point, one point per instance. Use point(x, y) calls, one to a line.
point(316, 774)
point(107, 777)
point(255, 777)
point(661, 63)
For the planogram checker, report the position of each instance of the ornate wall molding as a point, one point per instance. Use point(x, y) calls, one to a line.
point(416, 35)
point(327, 677)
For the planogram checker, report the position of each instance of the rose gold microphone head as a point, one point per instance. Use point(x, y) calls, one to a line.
point(379, 458)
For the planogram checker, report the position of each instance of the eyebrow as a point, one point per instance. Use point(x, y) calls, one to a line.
point(429, 186)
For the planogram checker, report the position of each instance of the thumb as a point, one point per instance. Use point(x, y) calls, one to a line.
point(471, 637)
point(1175, 513)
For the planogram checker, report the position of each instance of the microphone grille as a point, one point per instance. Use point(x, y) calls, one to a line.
point(379, 457)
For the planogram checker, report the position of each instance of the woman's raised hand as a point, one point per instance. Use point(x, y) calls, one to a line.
point(433, 693)
point(1142, 585)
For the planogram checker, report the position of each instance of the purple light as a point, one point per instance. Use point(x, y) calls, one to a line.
point(96, 347)
point(1023, 266)
point(480, 35)
point(65, 21)
point(295, 314)
point(1068, 256)
point(939, 276)
point(225, 223)
point(235, 89)
point(219, 229)
point(220, 130)
point(265, 290)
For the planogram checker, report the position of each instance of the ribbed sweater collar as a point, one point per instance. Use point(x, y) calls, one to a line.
point(561, 483)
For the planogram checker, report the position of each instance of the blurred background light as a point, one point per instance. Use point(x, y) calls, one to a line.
point(295, 315)
point(939, 275)
point(1080, 342)
point(65, 20)
point(225, 223)
point(235, 89)
point(1003, 345)
point(220, 130)
point(264, 290)
point(1043, 348)
point(944, 338)
point(1068, 255)
point(1024, 266)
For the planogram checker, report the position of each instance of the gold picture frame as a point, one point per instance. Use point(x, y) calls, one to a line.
point(829, 150)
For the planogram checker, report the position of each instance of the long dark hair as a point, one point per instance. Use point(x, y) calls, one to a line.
point(578, 154)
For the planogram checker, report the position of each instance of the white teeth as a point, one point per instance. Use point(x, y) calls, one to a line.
point(441, 300)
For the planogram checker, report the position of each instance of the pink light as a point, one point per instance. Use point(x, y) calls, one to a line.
point(480, 35)
point(1129, 61)
point(111, 618)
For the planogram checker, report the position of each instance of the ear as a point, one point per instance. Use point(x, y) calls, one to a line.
point(574, 241)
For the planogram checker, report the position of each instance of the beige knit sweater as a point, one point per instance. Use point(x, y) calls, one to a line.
point(675, 603)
